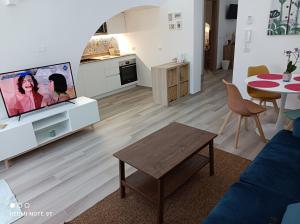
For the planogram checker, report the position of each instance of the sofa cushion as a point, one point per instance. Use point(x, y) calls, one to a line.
point(277, 167)
point(296, 131)
point(248, 204)
point(292, 214)
point(286, 138)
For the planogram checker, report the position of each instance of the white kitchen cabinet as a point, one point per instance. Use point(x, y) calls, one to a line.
point(112, 75)
point(113, 82)
point(100, 77)
point(117, 24)
point(93, 78)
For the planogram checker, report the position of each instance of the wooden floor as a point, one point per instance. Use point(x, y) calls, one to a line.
point(69, 176)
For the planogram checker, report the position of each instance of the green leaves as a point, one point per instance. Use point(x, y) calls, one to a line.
point(291, 67)
point(277, 28)
point(295, 30)
point(274, 14)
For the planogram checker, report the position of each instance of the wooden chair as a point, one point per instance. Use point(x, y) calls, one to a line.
point(244, 108)
point(262, 96)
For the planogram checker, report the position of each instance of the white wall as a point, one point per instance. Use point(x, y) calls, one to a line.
point(225, 29)
point(264, 49)
point(35, 32)
point(154, 44)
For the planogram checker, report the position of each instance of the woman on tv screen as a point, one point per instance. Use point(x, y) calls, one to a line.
point(32, 89)
point(58, 88)
point(29, 98)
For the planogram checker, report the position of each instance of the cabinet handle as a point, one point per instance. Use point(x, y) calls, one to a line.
point(112, 75)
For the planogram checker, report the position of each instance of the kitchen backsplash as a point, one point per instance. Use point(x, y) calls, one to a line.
point(100, 45)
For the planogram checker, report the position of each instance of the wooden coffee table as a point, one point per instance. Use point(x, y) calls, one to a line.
point(165, 160)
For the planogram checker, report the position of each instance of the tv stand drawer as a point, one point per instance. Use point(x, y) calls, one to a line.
point(16, 141)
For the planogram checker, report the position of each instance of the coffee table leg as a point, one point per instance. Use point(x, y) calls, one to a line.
point(160, 203)
point(122, 178)
point(211, 158)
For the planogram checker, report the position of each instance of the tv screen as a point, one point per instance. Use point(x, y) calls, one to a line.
point(32, 89)
point(232, 11)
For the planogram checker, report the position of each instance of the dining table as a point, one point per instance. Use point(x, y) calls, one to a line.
point(275, 83)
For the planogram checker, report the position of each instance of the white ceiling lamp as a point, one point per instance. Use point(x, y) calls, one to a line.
point(10, 2)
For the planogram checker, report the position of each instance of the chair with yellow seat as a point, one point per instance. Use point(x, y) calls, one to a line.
point(262, 96)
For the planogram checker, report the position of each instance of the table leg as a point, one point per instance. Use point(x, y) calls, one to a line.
point(270, 129)
point(211, 158)
point(122, 178)
point(160, 202)
point(281, 118)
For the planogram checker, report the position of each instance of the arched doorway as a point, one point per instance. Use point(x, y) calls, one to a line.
point(118, 40)
point(54, 32)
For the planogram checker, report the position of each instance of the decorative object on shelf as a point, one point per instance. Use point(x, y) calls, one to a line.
point(52, 133)
point(292, 63)
point(284, 17)
point(181, 58)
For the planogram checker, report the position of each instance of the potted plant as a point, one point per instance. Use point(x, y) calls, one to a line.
point(293, 58)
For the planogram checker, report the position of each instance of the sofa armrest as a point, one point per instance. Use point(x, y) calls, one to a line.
point(297, 128)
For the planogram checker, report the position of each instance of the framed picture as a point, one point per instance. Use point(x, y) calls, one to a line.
point(172, 26)
point(284, 17)
point(179, 25)
point(170, 17)
point(177, 15)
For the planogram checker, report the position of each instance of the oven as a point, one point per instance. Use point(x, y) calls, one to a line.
point(128, 72)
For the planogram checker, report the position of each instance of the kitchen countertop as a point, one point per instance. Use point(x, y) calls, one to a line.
point(93, 59)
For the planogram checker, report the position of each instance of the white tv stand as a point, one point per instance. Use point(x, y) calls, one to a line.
point(43, 127)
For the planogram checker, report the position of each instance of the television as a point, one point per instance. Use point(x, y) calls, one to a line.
point(232, 11)
point(32, 89)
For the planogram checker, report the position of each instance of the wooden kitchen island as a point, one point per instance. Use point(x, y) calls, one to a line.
point(165, 160)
